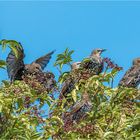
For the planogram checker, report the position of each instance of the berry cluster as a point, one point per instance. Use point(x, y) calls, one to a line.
point(83, 130)
point(36, 113)
point(40, 82)
point(111, 64)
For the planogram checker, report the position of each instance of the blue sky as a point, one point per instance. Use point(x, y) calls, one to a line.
point(82, 26)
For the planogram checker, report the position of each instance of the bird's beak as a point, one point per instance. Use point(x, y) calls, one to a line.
point(103, 50)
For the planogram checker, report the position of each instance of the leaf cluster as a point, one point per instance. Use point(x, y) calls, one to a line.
point(64, 58)
point(114, 113)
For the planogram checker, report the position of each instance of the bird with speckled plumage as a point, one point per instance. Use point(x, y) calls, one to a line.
point(132, 76)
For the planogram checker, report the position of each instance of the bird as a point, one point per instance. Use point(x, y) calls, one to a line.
point(81, 107)
point(77, 112)
point(94, 63)
point(69, 83)
point(17, 70)
point(131, 78)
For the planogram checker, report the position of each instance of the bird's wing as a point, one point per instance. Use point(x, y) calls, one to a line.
point(44, 60)
point(15, 64)
point(131, 77)
point(89, 63)
point(67, 87)
point(85, 63)
point(93, 64)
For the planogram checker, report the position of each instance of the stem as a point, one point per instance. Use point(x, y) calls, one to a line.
point(105, 71)
point(112, 82)
point(59, 70)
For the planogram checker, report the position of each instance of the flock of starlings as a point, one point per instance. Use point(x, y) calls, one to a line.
point(17, 70)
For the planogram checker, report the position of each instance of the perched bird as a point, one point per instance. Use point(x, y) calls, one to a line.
point(80, 108)
point(77, 113)
point(87, 68)
point(132, 76)
point(17, 70)
point(71, 80)
point(94, 63)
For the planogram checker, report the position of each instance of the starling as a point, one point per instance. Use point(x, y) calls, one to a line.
point(94, 63)
point(132, 76)
point(88, 67)
point(71, 80)
point(30, 73)
point(79, 110)
point(83, 70)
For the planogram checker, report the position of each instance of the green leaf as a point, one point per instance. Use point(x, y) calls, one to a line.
point(74, 95)
point(86, 60)
point(109, 134)
point(70, 53)
point(14, 45)
point(49, 104)
point(63, 77)
point(66, 51)
point(6, 83)
point(2, 64)
point(64, 58)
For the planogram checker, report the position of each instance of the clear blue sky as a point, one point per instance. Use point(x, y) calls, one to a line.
point(82, 26)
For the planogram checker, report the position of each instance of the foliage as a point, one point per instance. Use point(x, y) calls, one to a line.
point(2, 64)
point(114, 112)
point(12, 44)
point(64, 58)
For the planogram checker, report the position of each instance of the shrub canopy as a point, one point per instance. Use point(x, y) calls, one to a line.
point(25, 113)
